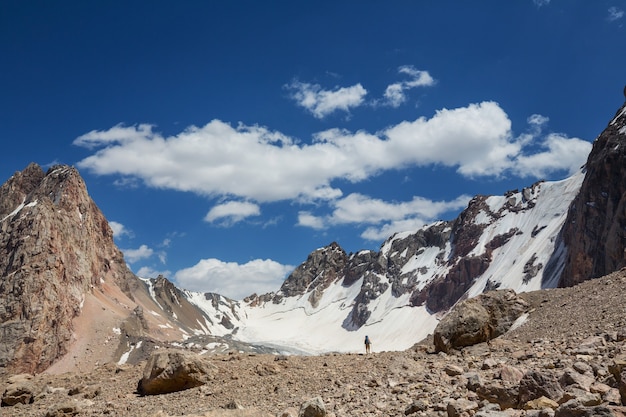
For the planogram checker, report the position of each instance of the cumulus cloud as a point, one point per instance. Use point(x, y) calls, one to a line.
point(615, 13)
point(395, 94)
point(232, 279)
point(116, 134)
point(257, 165)
point(134, 255)
point(148, 272)
point(320, 103)
point(559, 153)
point(383, 218)
point(119, 229)
point(232, 212)
point(307, 219)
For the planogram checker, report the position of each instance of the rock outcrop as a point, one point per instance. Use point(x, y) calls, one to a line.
point(322, 267)
point(55, 246)
point(594, 233)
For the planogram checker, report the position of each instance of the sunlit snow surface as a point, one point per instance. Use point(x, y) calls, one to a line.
point(546, 218)
point(294, 324)
point(18, 209)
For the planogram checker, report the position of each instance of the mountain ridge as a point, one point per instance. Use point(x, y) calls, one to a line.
point(75, 275)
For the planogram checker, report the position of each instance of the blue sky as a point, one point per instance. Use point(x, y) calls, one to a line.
point(225, 141)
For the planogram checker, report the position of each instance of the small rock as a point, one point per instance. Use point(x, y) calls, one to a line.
point(453, 370)
point(289, 412)
point(415, 407)
point(313, 408)
point(461, 408)
point(234, 405)
point(63, 410)
point(541, 403)
point(510, 374)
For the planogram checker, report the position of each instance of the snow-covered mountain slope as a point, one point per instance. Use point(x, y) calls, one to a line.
point(520, 263)
point(396, 295)
point(523, 240)
point(333, 300)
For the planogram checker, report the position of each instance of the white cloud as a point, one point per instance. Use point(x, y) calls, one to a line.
point(306, 219)
point(232, 212)
point(476, 139)
point(232, 279)
point(541, 3)
point(384, 231)
point(119, 229)
point(395, 94)
point(615, 13)
point(557, 151)
point(537, 120)
point(148, 272)
point(259, 165)
point(134, 255)
point(384, 217)
point(322, 102)
point(560, 153)
point(116, 134)
point(162, 255)
point(358, 208)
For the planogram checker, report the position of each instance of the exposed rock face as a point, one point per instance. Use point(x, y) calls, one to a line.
point(175, 302)
point(465, 264)
point(55, 246)
point(321, 268)
point(478, 319)
point(595, 230)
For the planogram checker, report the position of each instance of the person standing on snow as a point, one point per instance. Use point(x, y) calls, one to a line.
point(367, 344)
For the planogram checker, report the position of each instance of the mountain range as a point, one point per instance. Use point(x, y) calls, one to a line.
point(68, 299)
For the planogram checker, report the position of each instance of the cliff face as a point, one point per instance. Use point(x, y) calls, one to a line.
point(595, 230)
point(55, 246)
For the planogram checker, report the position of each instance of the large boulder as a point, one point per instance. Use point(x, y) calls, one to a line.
point(536, 384)
point(172, 371)
point(20, 390)
point(479, 319)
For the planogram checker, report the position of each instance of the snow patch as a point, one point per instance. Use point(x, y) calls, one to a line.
point(18, 209)
point(520, 320)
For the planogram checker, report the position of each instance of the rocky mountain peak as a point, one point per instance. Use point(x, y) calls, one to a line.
point(21, 184)
point(322, 267)
point(595, 230)
point(55, 246)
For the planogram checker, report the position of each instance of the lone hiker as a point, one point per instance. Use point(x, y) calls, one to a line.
point(367, 344)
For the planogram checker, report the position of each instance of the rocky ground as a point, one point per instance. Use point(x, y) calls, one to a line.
point(567, 359)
